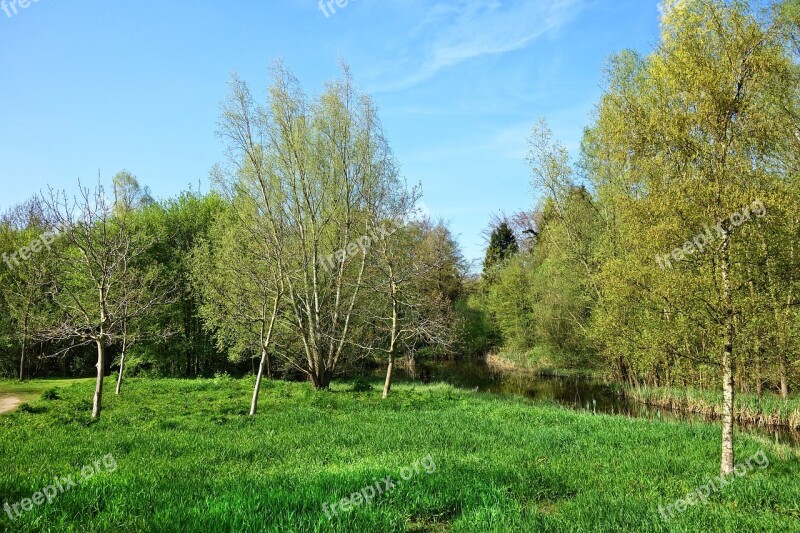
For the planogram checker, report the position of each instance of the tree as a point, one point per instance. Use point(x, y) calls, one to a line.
point(186, 221)
point(319, 173)
point(502, 246)
point(144, 284)
point(413, 307)
point(697, 133)
point(28, 271)
point(128, 194)
point(98, 288)
point(236, 272)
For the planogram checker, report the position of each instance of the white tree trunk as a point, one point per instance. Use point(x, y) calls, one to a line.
point(265, 342)
point(122, 357)
point(727, 462)
point(22, 358)
point(387, 387)
point(254, 403)
point(121, 369)
point(98, 391)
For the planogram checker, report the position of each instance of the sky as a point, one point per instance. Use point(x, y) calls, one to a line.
point(91, 87)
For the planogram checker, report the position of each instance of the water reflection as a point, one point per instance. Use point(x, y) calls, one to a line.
point(575, 393)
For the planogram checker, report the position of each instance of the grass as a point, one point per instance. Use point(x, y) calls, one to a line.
point(190, 459)
point(536, 361)
point(31, 390)
point(769, 410)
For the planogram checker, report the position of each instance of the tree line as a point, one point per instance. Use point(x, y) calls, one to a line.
point(308, 259)
point(667, 253)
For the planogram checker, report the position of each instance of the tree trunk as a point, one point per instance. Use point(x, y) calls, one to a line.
point(98, 391)
point(122, 359)
point(22, 358)
point(759, 379)
point(786, 332)
point(121, 369)
point(24, 345)
point(254, 403)
point(623, 370)
point(784, 377)
point(387, 386)
point(265, 342)
point(320, 379)
point(727, 461)
point(393, 342)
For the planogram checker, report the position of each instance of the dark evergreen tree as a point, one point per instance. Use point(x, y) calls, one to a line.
point(502, 245)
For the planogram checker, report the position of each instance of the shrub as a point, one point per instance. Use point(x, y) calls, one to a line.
point(50, 395)
point(361, 385)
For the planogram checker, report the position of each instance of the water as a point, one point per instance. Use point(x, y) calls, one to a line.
point(574, 393)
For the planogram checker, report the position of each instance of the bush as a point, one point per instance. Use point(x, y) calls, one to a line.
point(361, 385)
point(50, 395)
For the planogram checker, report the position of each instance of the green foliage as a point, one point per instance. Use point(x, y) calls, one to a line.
point(682, 141)
point(543, 297)
point(51, 394)
point(185, 222)
point(476, 335)
point(362, 385)
point(656, 159)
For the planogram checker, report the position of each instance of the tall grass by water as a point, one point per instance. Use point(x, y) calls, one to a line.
point(769, 410)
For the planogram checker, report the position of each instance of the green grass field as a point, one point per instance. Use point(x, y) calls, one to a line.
point(31, 390)
point(189, 459)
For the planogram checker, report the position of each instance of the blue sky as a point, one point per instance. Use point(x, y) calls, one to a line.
point(90, 86)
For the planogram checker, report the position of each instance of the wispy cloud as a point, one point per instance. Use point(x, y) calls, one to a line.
point(456, 32)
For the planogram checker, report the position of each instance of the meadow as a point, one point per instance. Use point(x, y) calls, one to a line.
point(187, 457)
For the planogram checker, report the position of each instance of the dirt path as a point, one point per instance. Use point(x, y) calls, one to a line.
point(8, 403)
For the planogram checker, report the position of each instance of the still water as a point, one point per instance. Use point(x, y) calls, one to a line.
point(574, 393)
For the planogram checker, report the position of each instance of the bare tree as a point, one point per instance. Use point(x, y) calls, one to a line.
point(93, 292)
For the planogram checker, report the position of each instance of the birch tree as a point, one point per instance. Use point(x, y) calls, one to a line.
point(696, 129)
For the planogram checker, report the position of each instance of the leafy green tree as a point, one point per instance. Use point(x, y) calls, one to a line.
point(185, 346)
point(28, 272)
point(129, 195)
point(236, 272)
point(323, 179)
point(417, 280)
point(696, 129)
